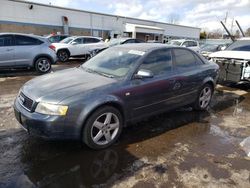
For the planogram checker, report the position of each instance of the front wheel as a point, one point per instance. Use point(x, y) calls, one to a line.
point(102, 128)
point(43, 65)
point(203, 100)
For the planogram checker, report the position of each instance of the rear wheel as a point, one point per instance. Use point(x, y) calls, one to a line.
point(102, 128)
point(43, 65)
point(63, 55)
point(204, 97)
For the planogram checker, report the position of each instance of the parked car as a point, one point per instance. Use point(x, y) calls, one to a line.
point(192, 44)
point(234, 61)
point(154, 41)
point(123, 40)
point(79, 46)
point(207, 49)
point(122, 84)
point(22, 50)
point(55, 38)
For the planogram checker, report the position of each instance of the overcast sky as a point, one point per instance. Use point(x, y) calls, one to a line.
point(205, 14)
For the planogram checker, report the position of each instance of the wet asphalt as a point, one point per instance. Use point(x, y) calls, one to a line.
point(182, 148)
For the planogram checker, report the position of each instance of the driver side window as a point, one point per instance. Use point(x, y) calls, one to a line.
point(78, 41)
point(159, 62)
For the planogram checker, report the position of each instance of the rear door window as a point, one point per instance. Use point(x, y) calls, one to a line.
point(6, 40)
point(26, 41)
point(159, 62)
point(184, 58)
point(91, 40)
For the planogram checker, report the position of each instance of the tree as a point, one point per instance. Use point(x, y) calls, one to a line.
point(174, 18)
point(203, 35)
point(237, 33)
point(247, 33)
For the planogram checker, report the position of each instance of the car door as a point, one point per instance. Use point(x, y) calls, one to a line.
point(189, 74)
point(76, 47)
point(150, 95)
point(7, 50)
point(94, 44)
point(26, 48)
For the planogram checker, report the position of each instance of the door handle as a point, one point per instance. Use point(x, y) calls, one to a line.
point(10, 49)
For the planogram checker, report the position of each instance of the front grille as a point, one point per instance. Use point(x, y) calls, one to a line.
point(25, 101)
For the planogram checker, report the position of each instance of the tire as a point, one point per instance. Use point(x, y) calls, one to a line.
point(63, 55)
point(204, 97)
point(102, 128)
point(43, 65)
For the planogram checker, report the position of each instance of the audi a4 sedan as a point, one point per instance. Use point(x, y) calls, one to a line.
point(126, 83)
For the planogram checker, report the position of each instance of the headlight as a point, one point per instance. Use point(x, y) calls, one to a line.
point(51, 109)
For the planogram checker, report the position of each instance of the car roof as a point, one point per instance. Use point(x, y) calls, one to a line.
point(86, 37)
point(28, 35)
point(145, 47)
point(183, 40)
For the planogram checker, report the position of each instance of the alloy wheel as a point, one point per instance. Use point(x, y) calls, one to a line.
point(205, 97)
point(105, 128)
point(43, 65)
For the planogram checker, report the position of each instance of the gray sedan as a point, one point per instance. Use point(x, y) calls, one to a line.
point(122, 84)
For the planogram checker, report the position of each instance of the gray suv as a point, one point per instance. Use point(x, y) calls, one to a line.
point(22, 50)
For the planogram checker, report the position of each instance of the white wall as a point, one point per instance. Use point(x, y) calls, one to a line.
point(17, 11)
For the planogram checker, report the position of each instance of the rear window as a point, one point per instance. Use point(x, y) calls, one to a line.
point(26, 41)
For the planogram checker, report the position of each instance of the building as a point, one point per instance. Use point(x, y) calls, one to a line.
point(40, 19)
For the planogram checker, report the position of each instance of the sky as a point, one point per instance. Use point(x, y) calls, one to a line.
point(205, 14)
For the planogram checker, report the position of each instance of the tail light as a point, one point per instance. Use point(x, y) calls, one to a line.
point(52, 47)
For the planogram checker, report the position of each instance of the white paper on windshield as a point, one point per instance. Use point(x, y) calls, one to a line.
point(136, 52)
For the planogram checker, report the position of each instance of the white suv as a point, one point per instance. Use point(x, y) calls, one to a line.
point(78, 46)
point(192, 44)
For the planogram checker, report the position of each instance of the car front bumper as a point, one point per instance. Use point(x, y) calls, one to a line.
point(45, 126)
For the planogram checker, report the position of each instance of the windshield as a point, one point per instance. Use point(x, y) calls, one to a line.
point(209, 47)
point(240, 45)
point(67, 40)
point(177, 43)
point(113, 62)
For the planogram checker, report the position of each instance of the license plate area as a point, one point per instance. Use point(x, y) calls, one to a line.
point(19, 119)
point(18, 116)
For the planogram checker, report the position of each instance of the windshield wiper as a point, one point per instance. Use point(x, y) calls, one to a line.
point(104, 74)
point(96, 72)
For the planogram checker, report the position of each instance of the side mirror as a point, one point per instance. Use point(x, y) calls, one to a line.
point(143, 73)
point(74, 43)
point(184, 45)
point(223, 48)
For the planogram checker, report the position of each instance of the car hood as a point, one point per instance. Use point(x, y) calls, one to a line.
point(231, 54)
point(56, 87)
